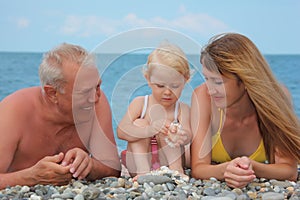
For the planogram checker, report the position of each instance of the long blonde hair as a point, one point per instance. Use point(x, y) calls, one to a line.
point(234, 54)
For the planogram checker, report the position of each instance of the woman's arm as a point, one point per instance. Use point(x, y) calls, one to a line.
point(201, 144)
point(284, 168)
point(184, 120)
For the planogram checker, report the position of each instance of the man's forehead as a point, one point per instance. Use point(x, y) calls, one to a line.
point(87, 75)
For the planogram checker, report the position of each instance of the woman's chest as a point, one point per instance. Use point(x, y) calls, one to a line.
point(240, 139)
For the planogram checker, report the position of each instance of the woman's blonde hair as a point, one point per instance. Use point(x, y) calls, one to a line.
point(172, 56)
point(233, 54)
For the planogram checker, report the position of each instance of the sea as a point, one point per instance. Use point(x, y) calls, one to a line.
point(123, 80)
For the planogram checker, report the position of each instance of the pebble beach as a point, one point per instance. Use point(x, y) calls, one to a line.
point(161, 184)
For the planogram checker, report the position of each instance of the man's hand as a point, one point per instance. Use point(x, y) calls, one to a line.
point(79, 162)
point(239, 172)
point(49, 171)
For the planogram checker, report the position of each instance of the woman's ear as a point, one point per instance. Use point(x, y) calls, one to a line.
point(51, 93)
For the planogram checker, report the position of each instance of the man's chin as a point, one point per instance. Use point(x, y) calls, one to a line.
point(84, 117)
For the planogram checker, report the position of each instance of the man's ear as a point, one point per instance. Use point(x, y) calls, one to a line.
point(51, 93)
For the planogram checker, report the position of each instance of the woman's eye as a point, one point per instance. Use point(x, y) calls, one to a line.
point(160, 86)
point(219, 82)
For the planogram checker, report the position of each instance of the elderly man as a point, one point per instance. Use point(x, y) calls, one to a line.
point(61, 130)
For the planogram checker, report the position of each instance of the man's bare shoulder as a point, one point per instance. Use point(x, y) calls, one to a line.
point(19, 102)
point(21, 95)
point(15, 112)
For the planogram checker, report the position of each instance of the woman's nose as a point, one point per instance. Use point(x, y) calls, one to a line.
point(211, 90)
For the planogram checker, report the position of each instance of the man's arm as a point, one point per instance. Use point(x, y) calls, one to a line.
point(106, 161)
point(46, 171)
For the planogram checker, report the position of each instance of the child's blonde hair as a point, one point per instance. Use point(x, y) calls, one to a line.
point(172, 56)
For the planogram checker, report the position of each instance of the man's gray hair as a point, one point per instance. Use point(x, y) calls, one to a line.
point(50, 70)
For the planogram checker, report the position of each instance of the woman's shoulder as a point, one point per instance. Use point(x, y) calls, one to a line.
point(184, 106)
point(201, 89)
point(200, 94)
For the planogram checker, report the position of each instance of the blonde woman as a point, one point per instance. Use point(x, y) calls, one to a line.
point(242, 119)
point(157, 126)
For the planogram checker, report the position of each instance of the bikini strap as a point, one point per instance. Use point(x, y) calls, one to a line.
point(221, 120)
point(144, 107)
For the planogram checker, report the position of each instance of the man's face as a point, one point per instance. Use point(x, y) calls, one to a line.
point(81, 92)
point(86, 93)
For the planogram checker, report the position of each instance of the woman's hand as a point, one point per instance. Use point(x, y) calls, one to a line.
point(239, 173)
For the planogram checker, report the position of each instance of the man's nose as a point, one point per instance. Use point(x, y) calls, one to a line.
point(94, 96)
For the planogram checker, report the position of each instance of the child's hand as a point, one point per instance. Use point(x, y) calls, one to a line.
point(176, 135)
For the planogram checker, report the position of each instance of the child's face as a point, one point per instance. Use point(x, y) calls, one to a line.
point(166, 84)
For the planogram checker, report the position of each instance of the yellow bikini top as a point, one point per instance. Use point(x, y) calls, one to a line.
point(220, 155)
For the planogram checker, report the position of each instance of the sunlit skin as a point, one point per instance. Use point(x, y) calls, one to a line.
point(39, 142)
point(166, 85)
point(240, 132)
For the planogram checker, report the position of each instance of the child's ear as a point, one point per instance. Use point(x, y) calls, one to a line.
point(51, 93)
point(147, 77)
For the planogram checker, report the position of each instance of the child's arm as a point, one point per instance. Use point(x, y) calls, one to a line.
point(127, 130)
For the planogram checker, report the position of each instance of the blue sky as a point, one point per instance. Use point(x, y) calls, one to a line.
point(39, 25)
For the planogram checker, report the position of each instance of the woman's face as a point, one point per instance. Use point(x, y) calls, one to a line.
point(224, 91)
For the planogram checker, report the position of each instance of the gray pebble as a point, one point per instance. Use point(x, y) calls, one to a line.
point(272, 196)
point(79, 197)
point(163, 184)
point(154, 179)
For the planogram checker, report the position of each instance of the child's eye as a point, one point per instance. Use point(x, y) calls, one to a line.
point(160, 86)
point(175, 86)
